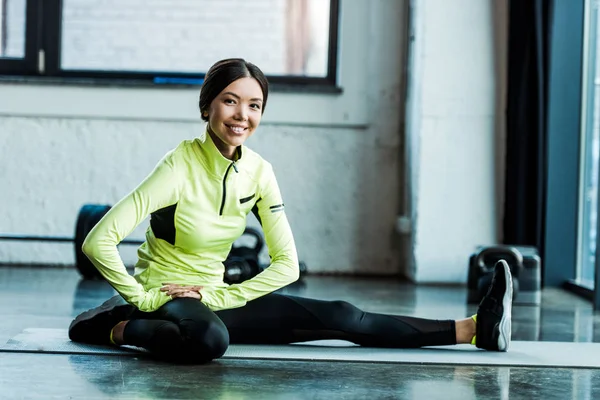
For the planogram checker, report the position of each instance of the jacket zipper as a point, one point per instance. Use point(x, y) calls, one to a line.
point(225, 186)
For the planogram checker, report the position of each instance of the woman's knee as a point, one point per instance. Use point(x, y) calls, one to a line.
point(204, 340)
point(162, 338)
point(202, 335)
point(344, 315)
point(190, 342)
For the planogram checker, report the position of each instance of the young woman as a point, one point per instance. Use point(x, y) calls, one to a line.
point(198, 196)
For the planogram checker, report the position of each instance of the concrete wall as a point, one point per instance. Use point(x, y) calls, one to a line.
point(454, 112)
point(336, 155)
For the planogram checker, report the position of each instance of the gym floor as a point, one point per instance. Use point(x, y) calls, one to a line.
point(51, 297)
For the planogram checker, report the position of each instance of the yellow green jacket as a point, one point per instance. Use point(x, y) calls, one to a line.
point(197, 201)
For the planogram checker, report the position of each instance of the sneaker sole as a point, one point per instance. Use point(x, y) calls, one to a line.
point(505, 322)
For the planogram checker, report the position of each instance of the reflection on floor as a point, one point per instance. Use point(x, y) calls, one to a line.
point(50, 298)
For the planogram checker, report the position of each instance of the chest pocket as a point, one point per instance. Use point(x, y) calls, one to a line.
point(247, 202)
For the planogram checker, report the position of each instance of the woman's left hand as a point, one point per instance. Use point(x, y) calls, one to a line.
point(176, 291)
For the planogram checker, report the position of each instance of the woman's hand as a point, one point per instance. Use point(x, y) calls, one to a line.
point(175, 291)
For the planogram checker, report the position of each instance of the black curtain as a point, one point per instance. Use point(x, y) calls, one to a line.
point(526, 153)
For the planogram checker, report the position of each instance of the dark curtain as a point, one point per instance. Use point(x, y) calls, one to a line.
point(526, 154)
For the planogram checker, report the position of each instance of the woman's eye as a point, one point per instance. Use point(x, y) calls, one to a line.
point(229, 101)
point(255, 106)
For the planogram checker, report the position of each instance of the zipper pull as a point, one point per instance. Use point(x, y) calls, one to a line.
point(234, 167)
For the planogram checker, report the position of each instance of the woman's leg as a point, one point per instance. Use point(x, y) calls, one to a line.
point(186, 330)
point(277, 318)
point(182, 330)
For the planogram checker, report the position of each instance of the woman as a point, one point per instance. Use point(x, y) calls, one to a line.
point(198, 196)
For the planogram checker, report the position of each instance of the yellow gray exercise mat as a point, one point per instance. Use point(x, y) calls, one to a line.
point(522, 354)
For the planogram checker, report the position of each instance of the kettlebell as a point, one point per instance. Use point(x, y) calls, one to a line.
point(242, 263)
point(487, 258)
point(89, 216)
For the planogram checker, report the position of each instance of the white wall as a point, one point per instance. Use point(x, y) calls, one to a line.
point(451, 115)
point(336, 155)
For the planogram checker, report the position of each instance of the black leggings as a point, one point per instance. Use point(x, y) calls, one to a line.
point(185, 330)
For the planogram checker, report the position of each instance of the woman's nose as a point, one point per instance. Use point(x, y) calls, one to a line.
point(241, 114)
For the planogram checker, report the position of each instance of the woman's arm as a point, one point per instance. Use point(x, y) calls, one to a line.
point(158, 190)
point(284, 267)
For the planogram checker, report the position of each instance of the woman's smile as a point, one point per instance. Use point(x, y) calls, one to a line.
point(237, 129)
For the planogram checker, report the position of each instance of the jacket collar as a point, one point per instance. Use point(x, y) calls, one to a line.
point(212, 157)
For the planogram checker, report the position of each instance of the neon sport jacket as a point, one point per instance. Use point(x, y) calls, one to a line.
point(198, 201)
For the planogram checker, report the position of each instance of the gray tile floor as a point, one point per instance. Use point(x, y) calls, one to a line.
point(50, 298)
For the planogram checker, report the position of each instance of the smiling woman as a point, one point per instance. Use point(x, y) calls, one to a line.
point(234, 112)
point(198, 197)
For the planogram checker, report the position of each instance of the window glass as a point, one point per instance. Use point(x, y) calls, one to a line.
point(283, 37)
point(591, 151)
point(12, 28)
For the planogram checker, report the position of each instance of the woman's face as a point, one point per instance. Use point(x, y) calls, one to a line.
point(234, 115)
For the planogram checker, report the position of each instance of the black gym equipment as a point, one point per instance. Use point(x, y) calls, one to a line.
point(525, 267)
point(89, 216)
point(242, 262)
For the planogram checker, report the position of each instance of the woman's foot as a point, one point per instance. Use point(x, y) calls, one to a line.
point(116, 334)
point(94, 326)
point(495, 311)
point(465, 330)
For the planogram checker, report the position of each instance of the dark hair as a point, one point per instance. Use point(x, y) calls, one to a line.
point(222, 73)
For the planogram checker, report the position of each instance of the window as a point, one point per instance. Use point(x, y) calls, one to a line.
point(18, 37)
point(293, 41)
point(12, 28)
point(590, 165)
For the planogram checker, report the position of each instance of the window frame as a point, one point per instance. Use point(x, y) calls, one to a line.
point(43, 47)
point(566, 131)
